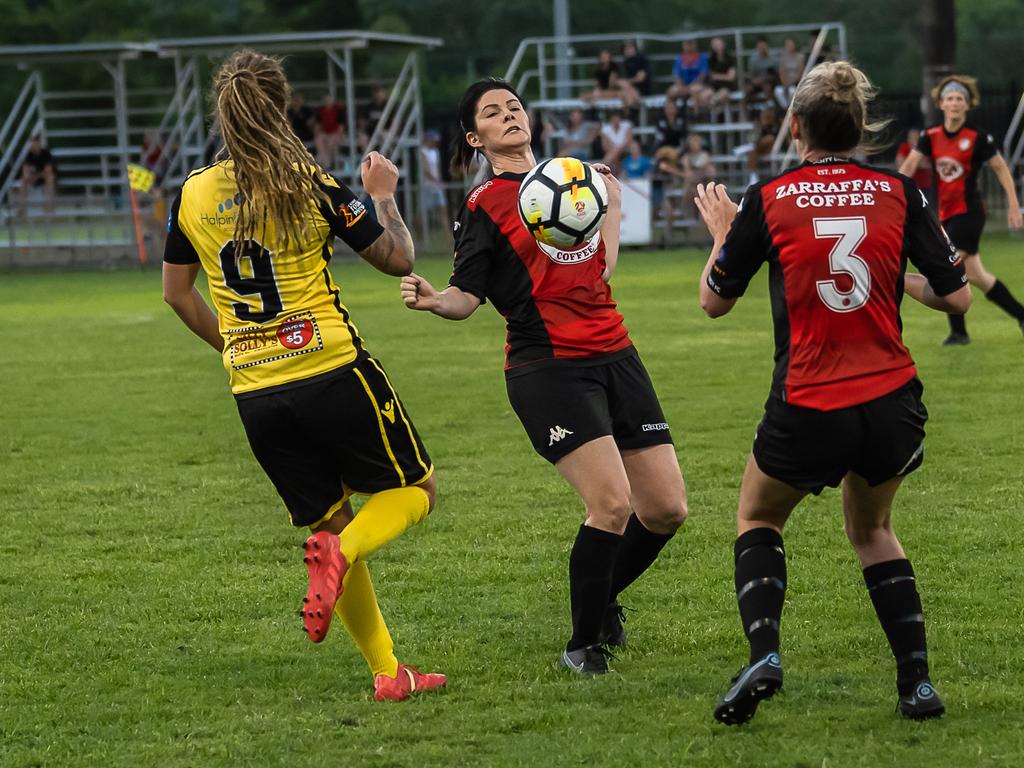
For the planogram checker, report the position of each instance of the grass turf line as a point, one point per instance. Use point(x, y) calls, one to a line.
point(150, 578)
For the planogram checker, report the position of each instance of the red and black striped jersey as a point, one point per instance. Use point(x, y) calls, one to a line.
point(555, 303)
point(837, 236)
point(957, 158)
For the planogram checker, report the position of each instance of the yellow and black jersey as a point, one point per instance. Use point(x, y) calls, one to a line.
point(279, 311)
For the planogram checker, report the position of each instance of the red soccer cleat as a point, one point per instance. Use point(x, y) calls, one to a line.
point(408, 681)
point(327, 567)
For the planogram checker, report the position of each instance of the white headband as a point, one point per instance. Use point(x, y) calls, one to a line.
point(955, 87)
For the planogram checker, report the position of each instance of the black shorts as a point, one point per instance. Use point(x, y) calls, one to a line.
point(566, 403)
point(340, 434)
point(809, 449)
point(965, 229)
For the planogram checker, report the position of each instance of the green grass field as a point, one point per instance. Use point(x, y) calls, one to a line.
point(150, 580)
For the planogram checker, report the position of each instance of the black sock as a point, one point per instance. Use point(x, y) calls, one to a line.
point(590, 582)
point(1000, 295)
point(957, 324)
point(893, 591)
point(638, 550)
point(760, 588)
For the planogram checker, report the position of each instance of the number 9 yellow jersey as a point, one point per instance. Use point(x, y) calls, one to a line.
point(279, 312)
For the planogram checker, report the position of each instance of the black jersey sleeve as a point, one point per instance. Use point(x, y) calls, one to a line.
point(924, 144)
point(475, 238)
point(927, 245)
point(347, 216)
point(984, 148)
point(178, 249)
point(746, 248)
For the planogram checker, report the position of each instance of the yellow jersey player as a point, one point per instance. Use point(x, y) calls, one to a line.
point(321, 416)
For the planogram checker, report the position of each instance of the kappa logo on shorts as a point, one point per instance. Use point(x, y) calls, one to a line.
point(557, 433)
point(660, 426)
point(389, 411)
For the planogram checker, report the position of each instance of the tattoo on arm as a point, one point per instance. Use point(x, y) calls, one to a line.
point(393, 252)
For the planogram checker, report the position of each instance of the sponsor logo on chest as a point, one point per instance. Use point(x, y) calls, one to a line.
point(577, 255)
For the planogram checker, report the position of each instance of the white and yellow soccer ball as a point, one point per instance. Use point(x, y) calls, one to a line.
point(563, 202)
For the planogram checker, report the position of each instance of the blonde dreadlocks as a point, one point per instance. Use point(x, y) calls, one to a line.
point(274, 171)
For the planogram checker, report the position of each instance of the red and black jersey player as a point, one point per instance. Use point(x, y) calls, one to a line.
point(572, 374)
point(845, 405)
point(958, 150)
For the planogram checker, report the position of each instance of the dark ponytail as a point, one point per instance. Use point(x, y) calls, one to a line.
point(462, 153)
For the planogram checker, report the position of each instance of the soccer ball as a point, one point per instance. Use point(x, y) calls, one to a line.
point(563, 202)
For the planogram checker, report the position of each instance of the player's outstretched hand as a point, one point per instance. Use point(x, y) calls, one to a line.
point(716, 209)
point(611, 183)
point(380, 176)
point(1014, 218)
point(417, 293)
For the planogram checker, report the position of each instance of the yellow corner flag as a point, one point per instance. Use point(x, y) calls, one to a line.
point(140, 178)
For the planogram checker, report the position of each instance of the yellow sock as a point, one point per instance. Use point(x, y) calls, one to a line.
point(359, 612)
point(385, 516)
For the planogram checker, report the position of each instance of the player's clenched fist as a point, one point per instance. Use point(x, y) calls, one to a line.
point(417, 293)
point(379, 175)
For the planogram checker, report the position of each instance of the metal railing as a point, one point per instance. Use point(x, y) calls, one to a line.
point(23, 121)
point(94, 133)
point(778, 159)
point(1013, 145)
point(543, 54)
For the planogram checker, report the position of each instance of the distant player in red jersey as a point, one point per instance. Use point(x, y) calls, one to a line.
point(845, 404)
point(573, 376)
point(958, 149)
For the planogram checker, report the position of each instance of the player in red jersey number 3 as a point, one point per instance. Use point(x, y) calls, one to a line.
point(845, 405)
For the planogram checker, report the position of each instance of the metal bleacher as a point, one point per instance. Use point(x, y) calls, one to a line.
point(1013, 147)
point(158, 87)
point(553, 73)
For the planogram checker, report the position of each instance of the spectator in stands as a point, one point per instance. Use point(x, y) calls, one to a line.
point(330, 132)
point(791, 69)
point(435, 202)
point(636, 165)
point(923, 175)
point(762, 73)
point(671, 128)
point(768, 124)
point(696, 168)
point(540, 131)
point(690, 73)
point(579, 137)
point(374, 111)
point(721, 72)
point(609, 84)
point(302, 119)
point(825, 54)
point(152, 149)
point(616, 134)
point(636, 69)
point(38, 169)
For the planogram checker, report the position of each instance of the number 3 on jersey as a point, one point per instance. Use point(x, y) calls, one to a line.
point(262, 282)
point(849, 233)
